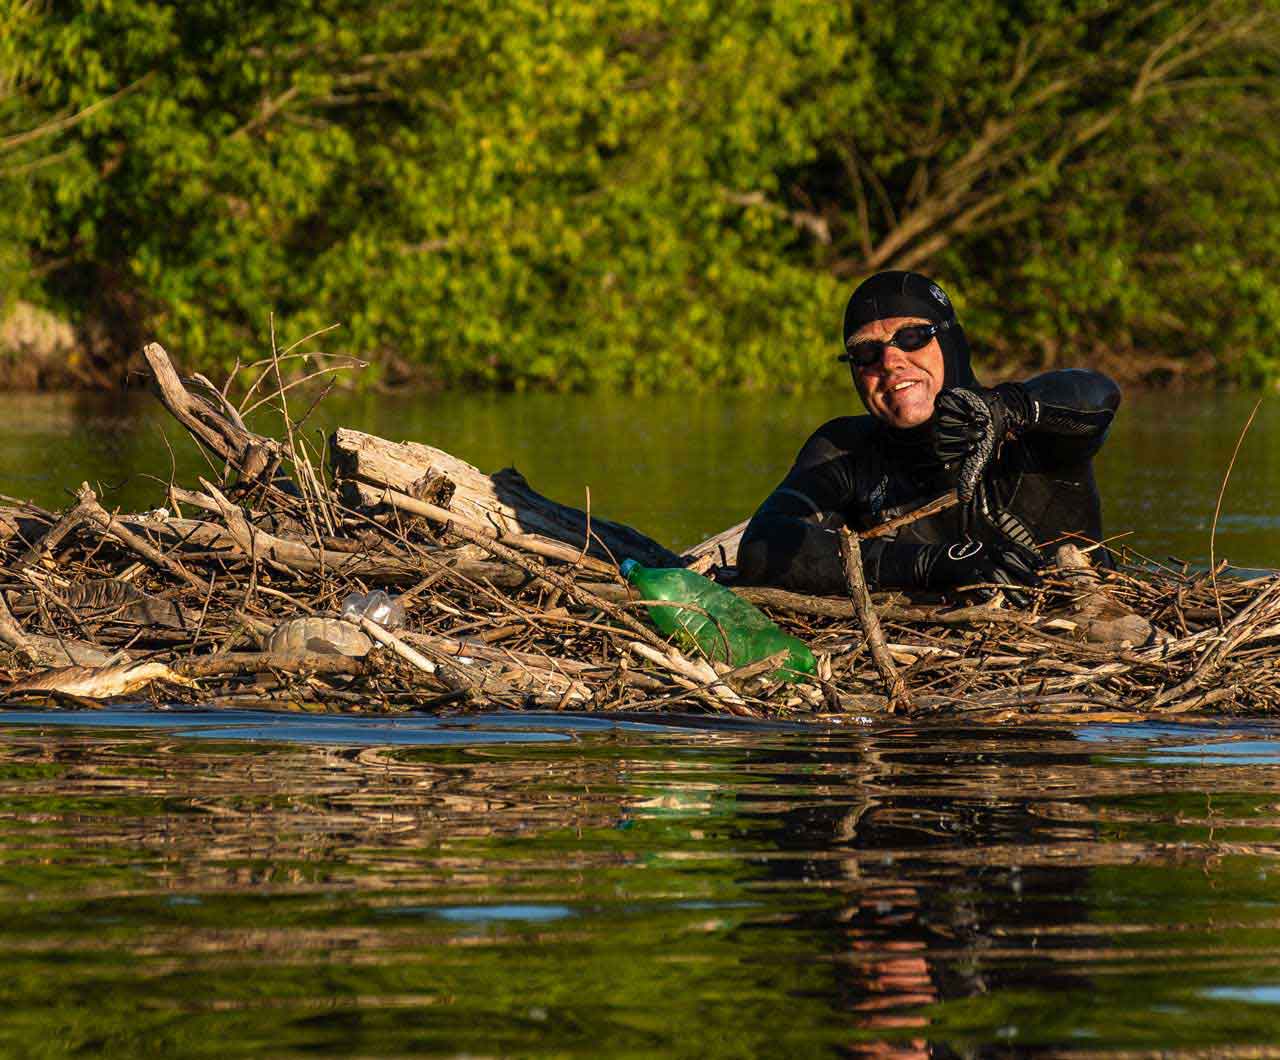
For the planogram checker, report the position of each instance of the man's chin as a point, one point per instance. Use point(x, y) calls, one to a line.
point(911, 416)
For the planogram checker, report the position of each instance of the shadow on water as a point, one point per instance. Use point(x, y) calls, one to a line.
point(238, 884)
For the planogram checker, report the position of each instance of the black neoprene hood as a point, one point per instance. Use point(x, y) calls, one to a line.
point(908, 294)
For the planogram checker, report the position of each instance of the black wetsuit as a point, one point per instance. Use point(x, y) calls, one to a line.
point(856, 471)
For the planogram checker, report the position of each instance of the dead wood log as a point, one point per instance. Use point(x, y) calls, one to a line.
point(219, 429)
point(11, 633)
point(109, 524)
point(371, 565)
point(27, 523)
point(50, 539)
point(700, 678)
point(193, 534)
point(61, 651)
point(535, 543)
point(297, 555)
point(890, 606)
point(367, 464)
point(250, 663)
point(720, 550)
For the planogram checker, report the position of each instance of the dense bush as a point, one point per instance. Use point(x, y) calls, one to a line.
point(643, 192)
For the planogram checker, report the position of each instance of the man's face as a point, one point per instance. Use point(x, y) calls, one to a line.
point(900, 387)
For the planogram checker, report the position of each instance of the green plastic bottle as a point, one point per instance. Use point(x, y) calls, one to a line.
point(735, 633)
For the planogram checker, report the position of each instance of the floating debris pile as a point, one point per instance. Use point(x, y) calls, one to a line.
point(232, 595)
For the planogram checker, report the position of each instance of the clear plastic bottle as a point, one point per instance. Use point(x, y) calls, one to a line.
point(730, 631)
point(385, 610)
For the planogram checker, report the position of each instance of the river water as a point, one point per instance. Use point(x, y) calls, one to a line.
point(680, 468)
point(247, 884)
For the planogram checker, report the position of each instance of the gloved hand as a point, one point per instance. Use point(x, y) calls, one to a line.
point(1007, 564)
point(985, 518)
point(969, 425)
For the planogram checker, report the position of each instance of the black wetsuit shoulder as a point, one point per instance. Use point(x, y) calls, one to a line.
point(853, 471)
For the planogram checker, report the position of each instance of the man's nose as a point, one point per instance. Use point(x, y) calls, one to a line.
point(893, 359)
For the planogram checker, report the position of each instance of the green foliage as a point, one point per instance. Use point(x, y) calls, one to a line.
point(642, 192)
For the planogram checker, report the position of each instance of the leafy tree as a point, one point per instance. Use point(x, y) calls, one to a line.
point(643, 192)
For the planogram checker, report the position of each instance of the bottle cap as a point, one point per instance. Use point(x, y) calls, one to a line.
point(626, 567)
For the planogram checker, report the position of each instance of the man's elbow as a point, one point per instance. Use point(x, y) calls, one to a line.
point(753, 557)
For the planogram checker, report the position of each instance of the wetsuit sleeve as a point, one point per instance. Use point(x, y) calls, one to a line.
point(785, 547)
point(791, 540)
point(1068, 412)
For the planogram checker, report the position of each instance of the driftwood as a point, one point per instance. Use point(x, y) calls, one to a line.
point(367, 466)
point(719, 550)
point(215, 424)
point(512, 603)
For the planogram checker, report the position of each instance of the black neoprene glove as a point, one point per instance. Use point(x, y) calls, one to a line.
point(974, 562)
point(969, 425)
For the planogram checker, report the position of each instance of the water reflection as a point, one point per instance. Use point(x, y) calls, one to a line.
point(620, 891)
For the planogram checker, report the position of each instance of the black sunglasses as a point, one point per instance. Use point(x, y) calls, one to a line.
point(865, 353)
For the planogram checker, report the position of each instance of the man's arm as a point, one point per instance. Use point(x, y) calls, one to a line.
point(1072, 412)
point(791, 540)
point(1062, 417)
point(790, 551)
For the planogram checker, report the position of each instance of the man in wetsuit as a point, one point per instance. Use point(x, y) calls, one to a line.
point(1019, 455)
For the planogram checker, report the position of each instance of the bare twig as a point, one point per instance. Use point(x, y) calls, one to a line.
point(895, 686)
point(1217, 508)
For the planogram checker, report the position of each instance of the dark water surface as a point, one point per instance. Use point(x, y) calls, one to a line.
point(244, 885)
point(259, 885)
point(678, 467)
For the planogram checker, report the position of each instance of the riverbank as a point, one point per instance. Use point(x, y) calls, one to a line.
point(41, 351)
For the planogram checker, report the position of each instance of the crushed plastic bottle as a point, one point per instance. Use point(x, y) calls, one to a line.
point(377, 606)
point(731, 631)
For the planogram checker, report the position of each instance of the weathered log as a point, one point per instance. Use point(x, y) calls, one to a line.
point(298, 555)
point(109, 524)
point(720, 550)
point(50, 539)
point(12, 634)
point(696, 675)
point(97, 682)
point(220, 429)
point(538, 544)
point(367, 464)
